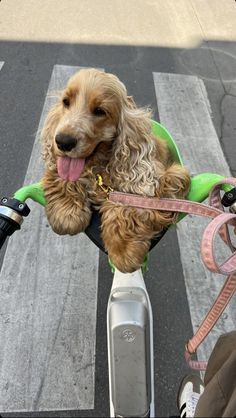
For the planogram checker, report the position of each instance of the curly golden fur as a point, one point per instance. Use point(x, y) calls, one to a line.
point(98, 129)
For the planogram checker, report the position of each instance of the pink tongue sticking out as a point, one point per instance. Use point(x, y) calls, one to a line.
point(70, 168)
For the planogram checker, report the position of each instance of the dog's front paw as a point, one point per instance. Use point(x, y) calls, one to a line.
point(127, 235)
point(68, 221)
point(128, 257)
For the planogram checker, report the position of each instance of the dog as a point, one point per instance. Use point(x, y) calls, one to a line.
point(94, 129)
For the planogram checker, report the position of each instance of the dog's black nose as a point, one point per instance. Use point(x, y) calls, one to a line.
point(65, 142)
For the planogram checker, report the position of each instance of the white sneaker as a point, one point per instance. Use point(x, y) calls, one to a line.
point(190, 391)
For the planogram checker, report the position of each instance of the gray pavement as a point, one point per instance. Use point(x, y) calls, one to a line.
point(132, 39)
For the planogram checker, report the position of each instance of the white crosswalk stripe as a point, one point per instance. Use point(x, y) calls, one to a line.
point(1, 64)
point(185, 111)
point(48, 299)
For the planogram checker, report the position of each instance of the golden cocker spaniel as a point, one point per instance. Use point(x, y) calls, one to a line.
point(95, 128)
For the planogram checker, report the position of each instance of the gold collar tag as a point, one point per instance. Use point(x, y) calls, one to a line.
point(99, 181)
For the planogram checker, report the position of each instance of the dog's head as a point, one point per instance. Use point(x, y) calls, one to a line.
point(87, 114)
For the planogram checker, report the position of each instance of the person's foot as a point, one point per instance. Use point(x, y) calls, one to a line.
point(190, 390)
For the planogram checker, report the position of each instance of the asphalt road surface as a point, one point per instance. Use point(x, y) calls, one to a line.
point(40, 368)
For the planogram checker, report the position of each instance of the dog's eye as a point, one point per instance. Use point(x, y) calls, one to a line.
point(66, 102)
point(98, 111)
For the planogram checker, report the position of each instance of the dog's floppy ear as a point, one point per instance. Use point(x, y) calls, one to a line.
point(133, 150)
point(48, 133)
point(134, 124)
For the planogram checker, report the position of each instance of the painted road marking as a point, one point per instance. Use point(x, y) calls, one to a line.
point(48, 303)
point(185, 111)
point(1, 64)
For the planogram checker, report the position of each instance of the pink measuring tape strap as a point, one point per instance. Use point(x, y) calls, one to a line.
point(218, 225)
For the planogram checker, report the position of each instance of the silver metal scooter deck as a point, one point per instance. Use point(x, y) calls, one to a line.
point(130, 347)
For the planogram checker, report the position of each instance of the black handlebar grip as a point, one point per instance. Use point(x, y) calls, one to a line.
point(3, 237)
point(7, 227)
point(11, 216)
point(229, 198)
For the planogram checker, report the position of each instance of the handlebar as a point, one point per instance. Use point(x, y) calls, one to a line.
point(3, 237)
point(12, 210)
